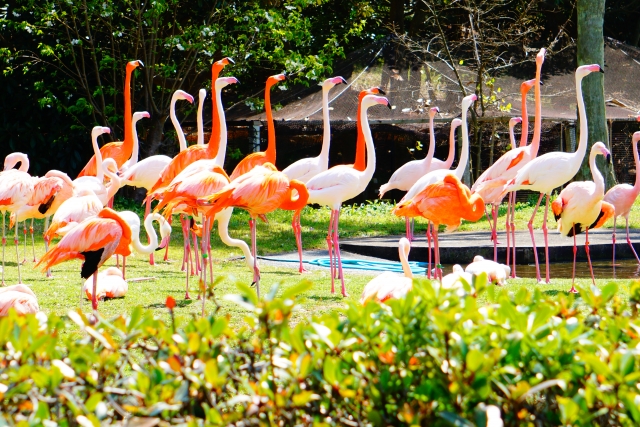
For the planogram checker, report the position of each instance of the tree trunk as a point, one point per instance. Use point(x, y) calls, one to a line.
point(590, 47)
point(154, 138)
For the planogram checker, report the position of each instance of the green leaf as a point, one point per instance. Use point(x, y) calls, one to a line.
point(301, 287)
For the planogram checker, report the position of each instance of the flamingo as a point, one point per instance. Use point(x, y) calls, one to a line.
point(111, 284)
point(94, 241)
point(389, 285)
point(261, 157)
point(84, 204)
point(553, 169)
point(344, 182)
point(119, 151)
point(506, 167)
point(13, 159)
point(580, 205)
point(622, 197)
point(496, 273)
point(456, 277)
point(19, 297)
point(202, 95)
point(259, 191)
point(360, 162)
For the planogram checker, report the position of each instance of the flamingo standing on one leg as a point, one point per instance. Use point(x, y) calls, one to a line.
point(389, 285)
point(305, 169)
point(553, 169)
point(580, 205)
point(119, 151)
point(260, 191)
point(447, 202)
point(622, 197)
point(343, 182)
point(94, 241)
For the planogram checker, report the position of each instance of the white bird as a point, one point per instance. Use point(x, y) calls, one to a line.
point(454, 279)
point(111, 284)
point(389, 285)
point(84, 204)
point(19, 297)
point(496, 273)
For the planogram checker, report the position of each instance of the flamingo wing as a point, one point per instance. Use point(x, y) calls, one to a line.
point(248, 163)
point(178, 163)
point(305, 169)
point(113, 150)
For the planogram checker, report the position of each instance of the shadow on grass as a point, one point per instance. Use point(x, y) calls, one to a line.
point(337, 297)
point(179, 303)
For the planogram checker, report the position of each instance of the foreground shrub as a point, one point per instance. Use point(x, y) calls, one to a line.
point(437, 357)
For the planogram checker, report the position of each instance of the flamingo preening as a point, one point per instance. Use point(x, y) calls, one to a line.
point(553, 169)
point(580, 206)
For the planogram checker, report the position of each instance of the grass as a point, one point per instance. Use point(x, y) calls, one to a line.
point(62, 293)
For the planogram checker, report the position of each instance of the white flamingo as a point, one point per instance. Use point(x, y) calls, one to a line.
point(390, 285)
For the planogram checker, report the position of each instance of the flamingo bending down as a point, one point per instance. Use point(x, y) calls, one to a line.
point(389, 285)
point(19, 297)
point(260, 191)
point(622, 197)
point(261, 157)
point(456, 277)
point(94, 241)
point(496, 273)
point(580, 205)
point(111, 284)
point(84, 204)
point(119, 151)
point(214, 147)
point(13, 159)
point(344, 182)
point(446, 201)
point(553, 169)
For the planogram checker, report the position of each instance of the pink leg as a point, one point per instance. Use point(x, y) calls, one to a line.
point(586, 248)
point(573, 275)
point(184, 237)
point(185, 261)
point(533, 240)
point(33, 241)
point(513, 232)
point(546, 239)
point(429, 249)
point(4, 244)
point(166, 252)
point(408, 232)
point(336, 245)
point(94, 300)
point(297, 229)
point(330, 246)
point(494, 232)
point(254, 253)
point(24, 231)
point(436, 250)
point(17, 242)
point(506, 227)
point(195, 250)
point(147, 209)
point(629, 240)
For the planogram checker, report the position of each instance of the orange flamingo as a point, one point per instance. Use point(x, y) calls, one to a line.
point(447, 202)
point(19, 297)
point(84, 204)
point(261, 157)
point(198, 152)
point(360, 162)
point(260, 191)
point(119, 151)
point(94, 241)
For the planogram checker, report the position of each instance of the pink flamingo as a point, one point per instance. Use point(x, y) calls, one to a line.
point(622, 197)
point(580, 205)
point(84, 204)
point(553, 169)
point(19, 297)
point(344, 182)
point(111, 284)
point(389, 285)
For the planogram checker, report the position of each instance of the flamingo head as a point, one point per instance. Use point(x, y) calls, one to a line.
point(13, 159)
point(226, 61)
point(433, 111)
point(405, 246)
point(636, 137)
point(526, 86)
point(514, 121)
point(99, 130)
point(600, 148)
point(370, 100)
point(140, 115)
point(468, 100)
point(110, 165)
point(584, 70)
point(333, 81)
point(375, 90)
point(225, 81)
point(455, 123)
point(180, 94)
point(540, 56)
point(131, 65)
point(202, 94)
point(276, 78)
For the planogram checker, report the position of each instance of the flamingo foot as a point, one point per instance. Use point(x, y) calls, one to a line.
point(187, 296)
point(573, 290)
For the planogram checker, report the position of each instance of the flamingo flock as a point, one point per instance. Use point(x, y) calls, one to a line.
point(195, 186)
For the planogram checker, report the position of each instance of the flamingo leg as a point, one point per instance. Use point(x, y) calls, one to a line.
point(203, 251)
point(184, 236)
point(147, 209)
point(613, 243)
point(195, 252)
point(575, 251)
point(408, 229)
point(4, 243)
point(210, 226)
point(413, 223)
point(336, 245)
point(586, 248)
point(17, 242)
point(506, 227)
point(494, 232)
point(429, 249)
point(24, 232)
point(436, 250)
point(330, 246)
point(94, 300)
point(124, 267)
point(297, 229)
point(512, 225)
point(546, 239)
point(629, 240)
point(185, 263)
point(46, 244)
point(166, 252)
point(256, 271)
point(533, 240)
point(33, 240)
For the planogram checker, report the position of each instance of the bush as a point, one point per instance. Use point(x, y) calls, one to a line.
point(434, 358)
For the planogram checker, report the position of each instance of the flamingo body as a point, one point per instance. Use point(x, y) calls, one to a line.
point(496, 273)
point(389, 285)
point(19, 297)
point(72, 212)
point(111, 284)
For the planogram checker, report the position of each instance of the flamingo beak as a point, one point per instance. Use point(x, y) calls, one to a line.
point(380, 91)
point(163, 243)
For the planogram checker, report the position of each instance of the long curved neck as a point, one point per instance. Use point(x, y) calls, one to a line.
point(432, 144)
point(360, 162)
point(271, 130)
point(452, 150)
point(221, 147)
point(537, 123)
point(405, 263)
point(584, 127)
point(298, 203)
point(595, 173)
point(153, 237)
point(115, 182)
point(176, 125)
point(525, 120)
point(136, 146)
point(127, 145)
point(512, 136)
point(464, 153)
point(24, 164)
point(326, 123)
point(215, 130)
point(368, 139)
point(636, 186)
point(199, 120)
point(98, 155)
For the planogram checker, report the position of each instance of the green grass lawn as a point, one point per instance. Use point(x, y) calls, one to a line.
point(62, 293)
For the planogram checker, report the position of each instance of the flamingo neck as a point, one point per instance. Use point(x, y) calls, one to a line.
point(584, 127)
point(271, 130)
point(452, 149)
point(221, 146)
point(371, 151)
point(223, 217)
point(537, 121)
point(595, 173)
point(199, 120)
point(432, 145)
point(136, 146)
point(512, 137)
point(405, 263)
point(215, 119)
point(326, 131)
point(636, 186)
point(127, 145)
point(360, 162)
point(300, 201)
point(176, 125)
point(115, 182)
point(525, 121)
point(464, 153)
point(98, 154)
point(151, 233)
